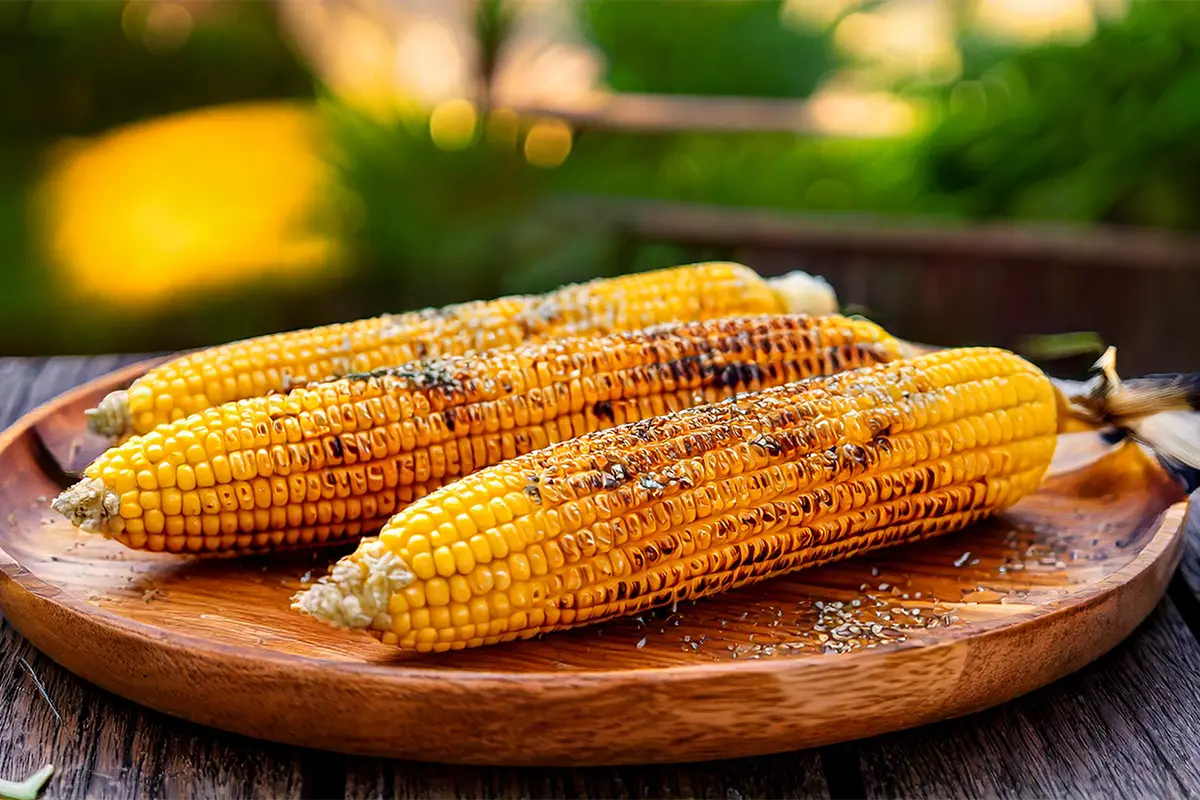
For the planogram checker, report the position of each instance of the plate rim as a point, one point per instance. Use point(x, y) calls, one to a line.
point(1168, 530)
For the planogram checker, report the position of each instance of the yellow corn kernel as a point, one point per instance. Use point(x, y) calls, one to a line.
point(443, 561)
point(437, 591)
point(727, 494)
point(464, 560)
point(255, 367)
point(353, 464)
point(423, 566)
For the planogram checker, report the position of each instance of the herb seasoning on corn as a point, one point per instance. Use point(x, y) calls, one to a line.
point(336, 459)
point(255, 367)
point(701, 501)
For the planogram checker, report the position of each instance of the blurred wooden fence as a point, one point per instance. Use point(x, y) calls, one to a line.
point(940, 282)
point(847, 115)
point(956, 284)
point(658, 113)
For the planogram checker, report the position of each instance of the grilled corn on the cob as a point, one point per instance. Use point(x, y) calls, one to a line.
point(694, 503)
point(255, 367)
point(338, 458)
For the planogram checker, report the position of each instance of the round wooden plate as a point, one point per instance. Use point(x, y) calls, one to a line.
point(894, 639)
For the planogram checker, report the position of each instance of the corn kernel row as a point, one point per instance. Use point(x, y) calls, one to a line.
point(254, 367)
point(701, 501)
point(338, 458)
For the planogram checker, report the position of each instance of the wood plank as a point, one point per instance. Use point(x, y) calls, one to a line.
point(101, 745)
point(107, 747)
point(26, 383)
point(665, 113)
point(56, 375)
point(16, 378)
point(841, 236)
point(1188, 579)
point(1124, 726)
point(786, 775)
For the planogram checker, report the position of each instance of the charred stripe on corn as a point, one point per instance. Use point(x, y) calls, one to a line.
point(701, 501)
point(255, 367)
point(338, 458)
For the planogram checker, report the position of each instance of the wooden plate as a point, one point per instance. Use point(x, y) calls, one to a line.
point(891, 640)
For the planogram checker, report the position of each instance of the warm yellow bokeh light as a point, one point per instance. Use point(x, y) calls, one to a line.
point(359, 62)
point(168, 26)
point(548, 143)
point(430, 63)
point(133, 21)
point(194, 201)
point(1030, 21)
point(394, 60)
point(814, 14)
point(452, 124)
point(839, 112)
point(903, 37)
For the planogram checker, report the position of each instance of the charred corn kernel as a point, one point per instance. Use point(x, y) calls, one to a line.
point(254, 367)
point(715, 497)
point(355, 464)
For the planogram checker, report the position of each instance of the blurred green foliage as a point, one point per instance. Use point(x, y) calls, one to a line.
point(434, 227)
point(702, 47)
point(71, 68)
point(431, 227)
point(79, 68)
point(773, 170)
point(1107, 131)
point(427, 224)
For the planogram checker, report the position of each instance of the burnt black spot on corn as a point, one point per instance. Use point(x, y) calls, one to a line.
point(334, 459)
point(708, 507)
point(603, 410)
point(256, 367)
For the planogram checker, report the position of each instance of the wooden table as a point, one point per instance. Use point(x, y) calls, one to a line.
point(1128, 725)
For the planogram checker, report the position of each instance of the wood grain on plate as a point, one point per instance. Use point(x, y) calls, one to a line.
point(895, 639)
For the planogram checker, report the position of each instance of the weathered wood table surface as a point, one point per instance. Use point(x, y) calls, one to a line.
point(1126, 726)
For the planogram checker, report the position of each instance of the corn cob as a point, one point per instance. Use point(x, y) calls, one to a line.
point(702, 501)
point(336, 459)
point(255, 367)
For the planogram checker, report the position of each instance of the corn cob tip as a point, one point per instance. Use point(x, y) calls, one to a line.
point(1160, 411)
point(89, 504)
point(356, 592)
point(111, 416)
point(802, 293)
